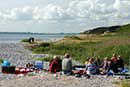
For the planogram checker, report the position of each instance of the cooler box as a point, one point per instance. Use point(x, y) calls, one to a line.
point(39, 65)
point(8, 69)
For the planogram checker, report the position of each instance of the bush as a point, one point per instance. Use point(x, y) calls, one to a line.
point(24, 40)
point(44, 44)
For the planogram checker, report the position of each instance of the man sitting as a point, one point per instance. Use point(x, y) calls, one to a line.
point(67, 64)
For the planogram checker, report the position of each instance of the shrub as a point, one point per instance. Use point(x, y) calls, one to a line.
point(44, 44)
point(24, 40)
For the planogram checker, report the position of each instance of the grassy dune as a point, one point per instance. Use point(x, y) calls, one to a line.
point(91, 45)
point(83, 46)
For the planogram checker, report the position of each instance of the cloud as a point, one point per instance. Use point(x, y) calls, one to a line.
point(51, 11)
point(25, 13)
point(90, 10)
point(123, 8)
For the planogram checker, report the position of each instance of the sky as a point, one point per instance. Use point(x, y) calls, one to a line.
point(61, 16)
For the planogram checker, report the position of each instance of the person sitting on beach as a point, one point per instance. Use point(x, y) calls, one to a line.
point(105, 66)
point(67, 64)
point(55, 65)
point(31, 40)
point(114, 58)
point(97, 62)
point(114, 64)
point(91, 67)
point(29, 65)
point(120, 63)
point(87, 61)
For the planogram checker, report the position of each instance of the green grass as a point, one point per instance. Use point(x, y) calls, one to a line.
point(124, 29)
point(81, 50)
point(44, 44)
point(24, 40)
point(92, 45)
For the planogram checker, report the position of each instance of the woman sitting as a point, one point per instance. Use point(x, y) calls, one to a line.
point(114, 63)
point(55, 65)
point(105, 66)
point(91, 67)
point(120, 63)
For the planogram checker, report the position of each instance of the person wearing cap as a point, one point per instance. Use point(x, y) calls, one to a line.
point(67, 64)
point(55, 65)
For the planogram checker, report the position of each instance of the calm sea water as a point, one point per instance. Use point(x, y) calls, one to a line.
point(4, 37)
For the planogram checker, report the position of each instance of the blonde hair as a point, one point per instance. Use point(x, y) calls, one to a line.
point(67, 55)
point(55, 57)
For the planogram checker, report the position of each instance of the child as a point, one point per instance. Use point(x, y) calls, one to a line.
point(91, 67)
point(105, 66)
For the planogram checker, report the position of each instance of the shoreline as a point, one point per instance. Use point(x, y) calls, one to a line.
point(37, 40)
point(6, 38)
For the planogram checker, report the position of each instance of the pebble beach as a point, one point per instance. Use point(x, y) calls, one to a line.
point(19, 56)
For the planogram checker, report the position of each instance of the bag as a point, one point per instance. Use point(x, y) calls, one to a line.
point(6, 63)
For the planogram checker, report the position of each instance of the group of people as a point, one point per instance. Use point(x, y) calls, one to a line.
point(65, 65)
point(108, 66)
point(91, 66)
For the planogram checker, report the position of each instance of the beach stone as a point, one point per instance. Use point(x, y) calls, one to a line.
point(19, 56)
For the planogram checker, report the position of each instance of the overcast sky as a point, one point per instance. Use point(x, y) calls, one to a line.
point(56, 16)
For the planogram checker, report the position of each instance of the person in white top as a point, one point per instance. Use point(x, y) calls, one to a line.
point(67, 64)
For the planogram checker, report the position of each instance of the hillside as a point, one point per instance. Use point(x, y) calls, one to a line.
point(94, 43)
point(124, 29)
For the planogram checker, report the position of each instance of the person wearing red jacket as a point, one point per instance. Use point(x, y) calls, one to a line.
point(55, 65)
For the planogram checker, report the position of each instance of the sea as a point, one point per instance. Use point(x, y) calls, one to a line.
point(12, 37)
